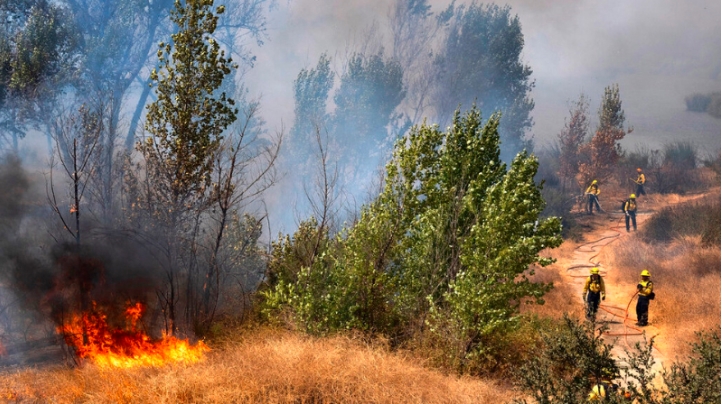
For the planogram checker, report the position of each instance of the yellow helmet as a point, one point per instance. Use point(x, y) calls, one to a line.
point(594, 182)
point(594, 271)
point(632, 196)
point(598, 392)
point(645, 273)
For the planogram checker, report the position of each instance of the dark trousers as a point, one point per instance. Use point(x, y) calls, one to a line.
point(631, 215)
point(592, 304)
point(642, 310)
point(593, 201)
point(640, 190)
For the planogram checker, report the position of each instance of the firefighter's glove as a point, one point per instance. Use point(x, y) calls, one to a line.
point(639, 287)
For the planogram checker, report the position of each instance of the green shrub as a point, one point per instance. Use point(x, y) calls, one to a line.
point(571, 359)
point(698, 380)
point(444, 249)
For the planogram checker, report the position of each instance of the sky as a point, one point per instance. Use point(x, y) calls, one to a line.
point(658, 51)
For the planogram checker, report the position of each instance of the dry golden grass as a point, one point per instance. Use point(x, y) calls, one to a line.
point(262, 366)
point(686, 276)
point(560, 299)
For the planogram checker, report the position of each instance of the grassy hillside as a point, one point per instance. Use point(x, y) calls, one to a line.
point(260, 366)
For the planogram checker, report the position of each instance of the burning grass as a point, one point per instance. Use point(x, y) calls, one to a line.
point(261, 366)
point(93, 338)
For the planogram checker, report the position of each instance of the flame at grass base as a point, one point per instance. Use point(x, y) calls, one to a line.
point(125, 347)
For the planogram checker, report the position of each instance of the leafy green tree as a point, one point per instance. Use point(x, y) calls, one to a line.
point(450, 240)
point(415, 31)
point(371, 88)
point(184, 128)
point(38, 52)
point(310, 89)
point(481, 62)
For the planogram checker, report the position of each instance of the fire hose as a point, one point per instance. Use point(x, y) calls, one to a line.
point(595, 247)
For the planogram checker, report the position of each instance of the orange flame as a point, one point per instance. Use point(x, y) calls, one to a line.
point(125, 347)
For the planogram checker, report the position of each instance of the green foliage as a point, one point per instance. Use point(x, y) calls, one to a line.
point(310, 90)
point(572, 358)
point(43, 49)
point(38, 55)
point(371, 88)
point(289, 255)
point(698, 380)
point(481, 62)
point(186, 121)
point(449, 240)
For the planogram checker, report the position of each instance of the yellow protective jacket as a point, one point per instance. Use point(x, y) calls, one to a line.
point(640, 179)
point(598, 393)
point(594, 286)
point(593, 189)
point(647, 288)
point(630, 206)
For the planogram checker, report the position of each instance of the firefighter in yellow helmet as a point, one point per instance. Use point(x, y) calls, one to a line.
point(593, 290)
point(598, 393)
point(645, 293)
point(593, 195)
point(630, 211)
point(641, 180)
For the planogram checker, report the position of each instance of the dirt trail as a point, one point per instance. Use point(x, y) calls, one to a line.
point(618, 310)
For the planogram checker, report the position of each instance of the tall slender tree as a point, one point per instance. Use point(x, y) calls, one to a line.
point(571, 138)
point(184, 127)
point(604, 149)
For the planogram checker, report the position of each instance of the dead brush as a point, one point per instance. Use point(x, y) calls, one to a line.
point(261, 366)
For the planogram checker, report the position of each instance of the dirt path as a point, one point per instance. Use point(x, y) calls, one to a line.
point(618, 310)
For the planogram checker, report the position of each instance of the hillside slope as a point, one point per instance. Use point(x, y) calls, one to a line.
point(260, 366)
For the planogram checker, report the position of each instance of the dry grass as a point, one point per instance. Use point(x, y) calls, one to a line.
point(560, 299)
point(263, 366)
point(686, 276)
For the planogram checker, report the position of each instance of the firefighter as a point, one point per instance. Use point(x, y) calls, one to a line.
point(645, 293)
point(598, 393)
point(593, 195)
point(630, 211)
point(640, 182)
point(593, 290)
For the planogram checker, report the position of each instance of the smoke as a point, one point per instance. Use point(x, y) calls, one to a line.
point(43, 280)
point(658, 51)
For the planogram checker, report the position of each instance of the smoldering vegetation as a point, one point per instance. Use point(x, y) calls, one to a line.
point(46, 279)
point(161, 170)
